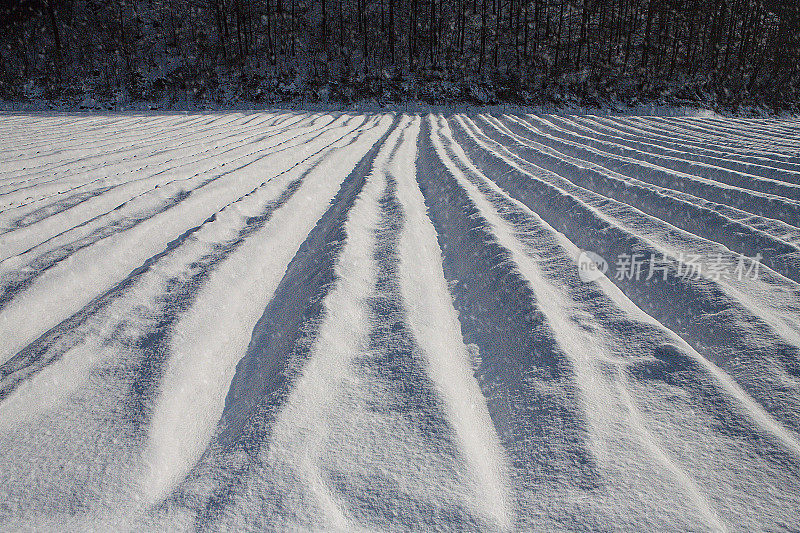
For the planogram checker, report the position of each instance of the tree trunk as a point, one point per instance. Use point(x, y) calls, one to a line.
point(483, 36)
point(646, 45)
point(59, 60)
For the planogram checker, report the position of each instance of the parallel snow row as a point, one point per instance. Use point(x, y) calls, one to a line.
point(124, 339)
point(355, 399)
point(73, 267)
point(382, 322)
point(46, 189)
point(746, 326)
point(574, 372)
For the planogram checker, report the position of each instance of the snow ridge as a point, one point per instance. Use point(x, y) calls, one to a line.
point(310, 321)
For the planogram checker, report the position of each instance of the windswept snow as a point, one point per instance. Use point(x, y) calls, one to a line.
point(309, 321)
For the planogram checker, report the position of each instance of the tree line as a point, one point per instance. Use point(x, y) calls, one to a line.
point(739, 51)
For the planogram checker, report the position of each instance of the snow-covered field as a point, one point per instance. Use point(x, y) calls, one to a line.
point(283, 321)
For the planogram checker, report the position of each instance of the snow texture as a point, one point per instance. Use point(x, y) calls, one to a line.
point(385, 321)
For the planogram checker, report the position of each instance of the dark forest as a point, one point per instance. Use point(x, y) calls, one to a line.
point(725, 53)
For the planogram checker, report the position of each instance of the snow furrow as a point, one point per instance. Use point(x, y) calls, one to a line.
point(189, 399)
point(554, 361)
point(40, 190)
point(76, 150)
point(282, 321)
point(108, 172)
point(49, 129)
point(716, 317)
point(127, 364)
point(757, 203)
point(378, 382)
point(708, 128)
point(675, 139)
point(642, 162)
point(674, 132)
point(169, 185)
point(96, 266)
point(744, 233)
point(595, 136)
point(198, 262)
point(707, 167)
point(623, 337)
point(53, 344)
point(84, 148)
point(618, 130)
